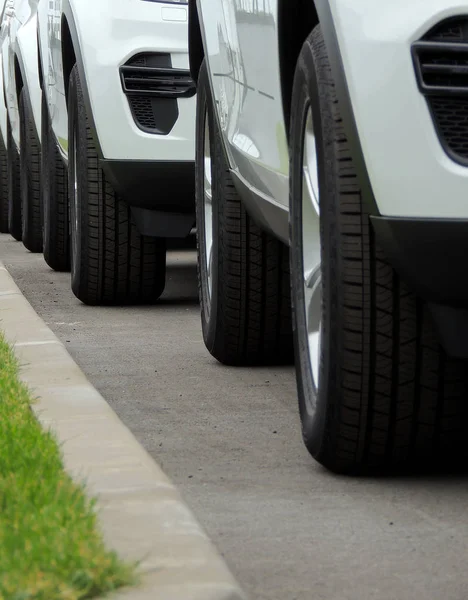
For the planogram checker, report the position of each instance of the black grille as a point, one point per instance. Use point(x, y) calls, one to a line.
point(452, 30)
point(143, 111)
point(163, 83)
point(441, 63)
point(153, 87)
point(451, 116)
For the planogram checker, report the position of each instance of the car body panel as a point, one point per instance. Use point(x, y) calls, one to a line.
point(105, 35)
point(3, 110)
point(19, 47)
point(410, 173)
point(241, 49)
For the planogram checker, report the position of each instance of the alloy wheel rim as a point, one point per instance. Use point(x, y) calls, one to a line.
point(208, 207)
point(311, 249)
point(74, 211)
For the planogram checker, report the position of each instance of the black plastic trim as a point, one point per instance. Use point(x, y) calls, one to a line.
point(419, 49)
point(162, 185)
point(159, 87)
point(179, 80)
point(164, 111)
point(346, 107)
point(163, 224)
point(457, 158)
point(434, 92)
point(452, 327)
point(195, 42)
point(429, 255)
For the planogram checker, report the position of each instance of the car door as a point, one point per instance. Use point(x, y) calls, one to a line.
point(241, 42)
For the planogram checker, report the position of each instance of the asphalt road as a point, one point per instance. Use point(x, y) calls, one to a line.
point(230, 440)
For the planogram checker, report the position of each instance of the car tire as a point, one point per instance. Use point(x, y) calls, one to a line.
point(54, 190)
point(3, 187)
point(386, 396)
point(111, 262)
point(14, 188)
point(244, 286)
point(30, 185)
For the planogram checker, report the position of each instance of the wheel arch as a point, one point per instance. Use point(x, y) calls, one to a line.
point(39, 61)
point(296, 20)
point(69, 57)
point(196, 50)
point(19, 77)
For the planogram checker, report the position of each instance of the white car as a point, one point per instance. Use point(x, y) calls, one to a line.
point(119, 111)
point(23, 104)
point(339, 129)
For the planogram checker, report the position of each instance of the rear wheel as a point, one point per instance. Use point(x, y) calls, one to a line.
point(30, 160)
point(54, 189)
point(14, 187)
point(376, 391)
point(3, 187)
point(243, 271)
point(111, 263)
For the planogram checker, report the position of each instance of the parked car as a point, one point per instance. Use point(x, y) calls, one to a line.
point(338, 129)
point(23, 104)
point(3, 137)
point(119, 114)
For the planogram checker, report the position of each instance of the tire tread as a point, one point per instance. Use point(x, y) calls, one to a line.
point(118, 265)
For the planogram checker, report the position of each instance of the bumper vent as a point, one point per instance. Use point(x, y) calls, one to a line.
point(441, 64)
point(152, 87)
point(160, 83)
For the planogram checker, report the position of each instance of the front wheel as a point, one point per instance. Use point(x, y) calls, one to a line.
point(243, 271)
point(14, 187)
point(30, 160)
point(54, 190)
point(376, 391)
point(3, 187)
point(111, 262)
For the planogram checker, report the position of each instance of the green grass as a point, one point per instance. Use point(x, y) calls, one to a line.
point(51, 547)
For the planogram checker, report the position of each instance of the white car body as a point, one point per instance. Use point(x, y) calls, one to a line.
point(20, 61)
point(103, 37)
point(106, 35)
point(407, 168)
point(374, 40)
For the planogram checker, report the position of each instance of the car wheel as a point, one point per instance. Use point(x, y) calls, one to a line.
point(3, 187)
point(243, 271)
point(111, 263)
point(14, 188)
point(30, 160)
point(376, 391)
point(54, 190)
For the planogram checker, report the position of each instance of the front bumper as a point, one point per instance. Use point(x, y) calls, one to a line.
point(410, 173)
point(156, 185)
point(107, 41)
point(430, 256)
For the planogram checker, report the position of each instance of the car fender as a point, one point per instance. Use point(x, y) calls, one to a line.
point(3, 111)
point(26, 53)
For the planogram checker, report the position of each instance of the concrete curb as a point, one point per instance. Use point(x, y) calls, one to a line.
point(141, 512)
